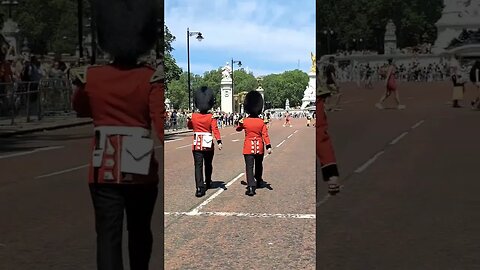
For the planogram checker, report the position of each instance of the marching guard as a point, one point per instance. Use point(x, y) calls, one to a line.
point(325, 152)
point(256, 140)
point(123, 98)
point(204, 124)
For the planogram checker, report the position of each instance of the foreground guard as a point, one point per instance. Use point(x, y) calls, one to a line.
point(203, 124)
point(256, 140)
point(325, 152)
point(123, 98)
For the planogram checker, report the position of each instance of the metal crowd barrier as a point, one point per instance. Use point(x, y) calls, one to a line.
point(49, 97)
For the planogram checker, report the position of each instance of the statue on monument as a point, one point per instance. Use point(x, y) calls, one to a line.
point(314, 63)
point(226, 71)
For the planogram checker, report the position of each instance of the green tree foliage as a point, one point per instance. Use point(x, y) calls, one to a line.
point(288, 85)
point(244, 82)
point(354, 19)
point(172, 70)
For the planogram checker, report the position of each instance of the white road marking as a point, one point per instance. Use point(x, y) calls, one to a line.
point(32, 151)
point(418, 124)
point(289, 136)
point(174, 140)
point(280, 144)
point(239, 214)
point(207, 201)
point(369, 162)
point(188, 145)
point(295, 131)
point(399, 138)
point(62, 172)
point(235, 140)
point(234, 133)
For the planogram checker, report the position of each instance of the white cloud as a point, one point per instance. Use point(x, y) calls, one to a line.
point(273, 32)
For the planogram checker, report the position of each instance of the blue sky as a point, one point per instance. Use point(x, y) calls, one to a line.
point(268, 36)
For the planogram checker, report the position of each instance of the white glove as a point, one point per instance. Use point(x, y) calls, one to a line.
point(220, 146)
point(269, 151)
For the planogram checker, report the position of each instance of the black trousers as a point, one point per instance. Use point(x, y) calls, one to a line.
point(199, 157)
point(252, 161)
point(110, 203)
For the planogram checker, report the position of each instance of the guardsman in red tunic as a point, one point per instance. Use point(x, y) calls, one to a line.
point(256, 140)
point(203, 125)
point(123, 98)
point(325, 152)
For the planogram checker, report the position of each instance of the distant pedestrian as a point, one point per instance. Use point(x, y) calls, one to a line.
point(391, 87)
point(475, 78)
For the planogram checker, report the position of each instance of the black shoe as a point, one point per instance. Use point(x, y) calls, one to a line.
point(250, 191)
point(208, 184)
point(260, 184)
point(200, 192)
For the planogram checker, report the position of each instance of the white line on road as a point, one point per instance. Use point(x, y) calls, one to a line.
point(369, 162)
point(234, 133)
point(418, 124)
point(289, 136)
point(207, 201)
point(237, 214)
point(188, 145)
point(280, 144)
point(399, 138)
point(174, 140)
point(62, 172)
point(235, 140)
point(31, 152)
point(295, 131)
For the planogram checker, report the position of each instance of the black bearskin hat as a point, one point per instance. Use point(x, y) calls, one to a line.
point(127, 29)
point(253, 103)
point(204, 99)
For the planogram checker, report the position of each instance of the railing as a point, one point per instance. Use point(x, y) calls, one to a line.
point(49, 97)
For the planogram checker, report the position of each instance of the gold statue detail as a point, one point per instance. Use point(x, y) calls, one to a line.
point(314, 63)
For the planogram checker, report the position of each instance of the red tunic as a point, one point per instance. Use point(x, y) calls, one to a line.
point(256, 136)
point(116, 97)
point(203, 123)
point(325, 152)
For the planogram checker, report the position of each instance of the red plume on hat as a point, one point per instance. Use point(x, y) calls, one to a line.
point(204, 99)
point(127, 29)
point(253, 103)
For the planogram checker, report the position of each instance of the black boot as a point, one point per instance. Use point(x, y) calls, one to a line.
point(250, 191)
point(200, 192)
point(260, 184)
point(208, 184)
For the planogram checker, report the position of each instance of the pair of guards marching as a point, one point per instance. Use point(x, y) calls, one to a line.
point(204, 124)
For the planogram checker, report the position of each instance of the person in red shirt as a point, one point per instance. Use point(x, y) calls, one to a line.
point(326, 160)
point(287, 120)
point(256, 140)
point(204, 124)
point(123, 98)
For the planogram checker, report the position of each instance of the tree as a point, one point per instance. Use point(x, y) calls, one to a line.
point(288, 85)
point(172, 70)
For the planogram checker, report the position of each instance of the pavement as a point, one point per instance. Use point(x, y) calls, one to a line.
point(408, 200)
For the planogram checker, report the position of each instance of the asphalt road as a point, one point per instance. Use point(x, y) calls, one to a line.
point(409, 179)
point(408, 199)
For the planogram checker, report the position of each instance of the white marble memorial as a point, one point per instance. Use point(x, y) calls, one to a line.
point(226, 90)
point(309, 95)
point(456, 16)
point(390, 44)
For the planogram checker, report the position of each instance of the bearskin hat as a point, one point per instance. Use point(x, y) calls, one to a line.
point(127, 29)
point(253, 103)
point(204, 99)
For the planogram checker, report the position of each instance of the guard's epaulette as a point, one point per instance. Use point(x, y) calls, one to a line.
point(158, 76)
point(79, 74)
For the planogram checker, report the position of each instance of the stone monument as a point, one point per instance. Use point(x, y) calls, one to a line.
point(261, 90)
point(226, 90)
point(457, 15)
point(10, 31)
point(309, 95)
point(390, 45)
point(287, 105)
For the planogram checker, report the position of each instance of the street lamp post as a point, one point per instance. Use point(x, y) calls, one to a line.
point(199, 38)
point(80, 27)
point(328, 33)
point(10, 4)
point(233, 63)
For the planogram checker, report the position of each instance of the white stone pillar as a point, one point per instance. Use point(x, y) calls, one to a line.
point(226, 95)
